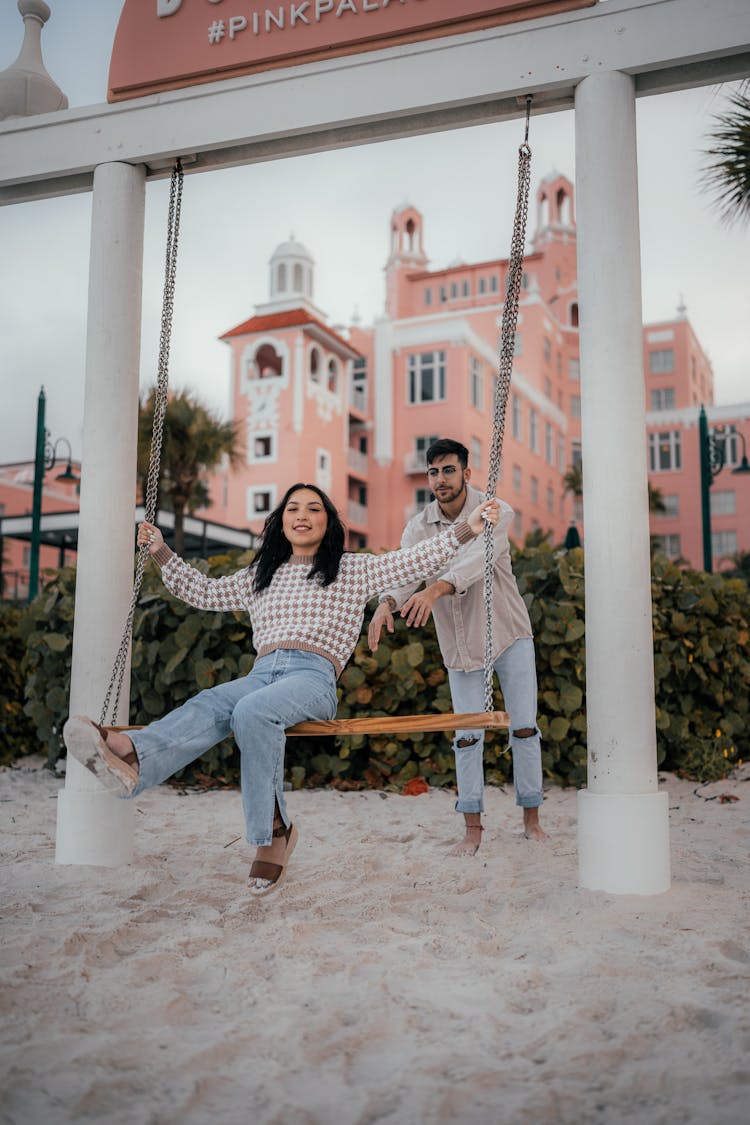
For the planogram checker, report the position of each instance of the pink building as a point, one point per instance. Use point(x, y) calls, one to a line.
point(59, 501)
point(354, 409)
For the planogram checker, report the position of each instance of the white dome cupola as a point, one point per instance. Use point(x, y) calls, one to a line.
point(291, 273)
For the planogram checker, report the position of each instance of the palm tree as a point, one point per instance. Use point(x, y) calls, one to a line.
point(726, 170)
point(740, 567)
point(573, 482)
point(194, 442)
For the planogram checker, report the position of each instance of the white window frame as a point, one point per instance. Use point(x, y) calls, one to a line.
point(262, 435)
point(658, 442)
point(476, 383)
point(417, 363)
point(258, 490)
point(533, 430)
point(664, 364)
point(723, 502)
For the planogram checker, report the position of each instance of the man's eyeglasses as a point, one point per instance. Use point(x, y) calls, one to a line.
point(447, 471)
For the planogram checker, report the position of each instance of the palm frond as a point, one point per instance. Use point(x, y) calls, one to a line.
point(726, 168)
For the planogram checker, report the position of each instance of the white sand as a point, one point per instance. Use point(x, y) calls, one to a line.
point(385, 983)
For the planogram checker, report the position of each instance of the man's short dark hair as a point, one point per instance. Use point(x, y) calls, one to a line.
point(443, 447)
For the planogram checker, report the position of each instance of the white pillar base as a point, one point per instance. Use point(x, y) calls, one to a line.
point(623, 843)
point(93, 828)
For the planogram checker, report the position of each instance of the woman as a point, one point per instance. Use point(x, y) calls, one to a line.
point(306, 599)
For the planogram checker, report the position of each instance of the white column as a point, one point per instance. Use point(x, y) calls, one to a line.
point(92, 827)
point(623, 819)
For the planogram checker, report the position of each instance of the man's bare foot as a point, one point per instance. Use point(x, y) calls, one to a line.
point(473, 838)
point(532, 829)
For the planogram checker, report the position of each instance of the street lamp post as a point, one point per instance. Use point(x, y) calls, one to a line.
point(45, 458)
point(712, 461)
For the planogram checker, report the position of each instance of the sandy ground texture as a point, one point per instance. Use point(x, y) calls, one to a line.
point(386, 983)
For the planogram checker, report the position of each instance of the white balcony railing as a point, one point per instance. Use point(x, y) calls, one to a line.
point(357, 513)
point(415, 463)
point(357, 461)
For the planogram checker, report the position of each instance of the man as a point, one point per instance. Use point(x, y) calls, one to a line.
point(456, 599)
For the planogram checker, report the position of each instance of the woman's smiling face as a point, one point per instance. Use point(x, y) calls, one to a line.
point(304, 521)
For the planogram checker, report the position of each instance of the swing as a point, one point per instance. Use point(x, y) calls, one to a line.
point(375, 724)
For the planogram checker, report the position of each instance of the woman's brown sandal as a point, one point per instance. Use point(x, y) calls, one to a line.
point(266, 877)
point(87, 743)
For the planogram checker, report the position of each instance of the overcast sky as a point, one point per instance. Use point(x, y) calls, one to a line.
point(339, 205)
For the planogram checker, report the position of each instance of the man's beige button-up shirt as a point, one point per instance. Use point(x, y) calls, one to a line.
point(460, 617)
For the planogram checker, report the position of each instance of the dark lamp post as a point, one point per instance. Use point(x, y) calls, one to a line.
point(713, 457)
point(45, 458)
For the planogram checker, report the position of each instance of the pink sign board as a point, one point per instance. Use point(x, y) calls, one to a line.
point(163, 44)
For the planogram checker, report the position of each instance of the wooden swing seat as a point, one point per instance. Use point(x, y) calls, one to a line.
point(394, 724)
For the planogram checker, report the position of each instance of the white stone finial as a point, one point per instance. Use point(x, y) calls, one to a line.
point(682, 308)
point(25, 87)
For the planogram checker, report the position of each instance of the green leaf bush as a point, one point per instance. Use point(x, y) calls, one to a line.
point(702, 674)
point(17, 733)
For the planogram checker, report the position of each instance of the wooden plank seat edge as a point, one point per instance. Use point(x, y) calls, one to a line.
point(394, 724)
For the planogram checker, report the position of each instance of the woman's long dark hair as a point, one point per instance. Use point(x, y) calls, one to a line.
point(275, 548)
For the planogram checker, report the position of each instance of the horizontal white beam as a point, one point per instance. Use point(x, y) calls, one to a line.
point(418, 88)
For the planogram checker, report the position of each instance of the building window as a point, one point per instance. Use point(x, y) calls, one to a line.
point(664, 451)
point(315, 365)
point(661, 360)
point(547, 349)
point(575, 454)
point(476, 383)
point(533, 430)
point(671, 507)
point(731, 445)
point(454, 290)
point(333, 376)
point(723, 503)
point(362, 495)
point(281, 278)
point(428, 296)
point(476, 453)
point(516, 417)
point(443, 295)
point(359, 384)
point(723, 544)
point(516, 478)
point(427, 377)
point(524, 281)
point(482, 285)
point(323, 469)
point(268, 362)
point(558, 364)
point(517, 345)
point(662, 398)
point(548, 387)
point(561, 453)
point(421, 445)
point(422, 497)
point(574, 315)
point(578, 509)
point(550, 498)
point(464, 289)
point(574, 369)
point(668, 545)
point(494, 286)
point(517, 524)
point(549, 443)
point(260, 501)
point(534, 484)
point(575, 406)
point(262, 447)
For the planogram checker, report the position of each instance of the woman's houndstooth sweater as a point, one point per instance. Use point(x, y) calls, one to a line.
point(297, 612)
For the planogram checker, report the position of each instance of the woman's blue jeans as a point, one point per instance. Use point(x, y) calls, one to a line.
point(516, 671)
point(285, 687)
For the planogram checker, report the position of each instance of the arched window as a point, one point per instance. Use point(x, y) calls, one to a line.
point(410, 229)
point(281, 278)
point(268, 362)
point(574, 314)
point(333, 376)
point(315, 365)
point(297, 277)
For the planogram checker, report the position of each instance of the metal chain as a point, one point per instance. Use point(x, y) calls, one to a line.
point(160, 406)
point(502, 389)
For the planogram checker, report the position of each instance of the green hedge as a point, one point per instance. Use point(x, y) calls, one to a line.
point(17, 733)
point(702, 671)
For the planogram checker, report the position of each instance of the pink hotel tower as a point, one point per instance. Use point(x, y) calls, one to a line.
point(353, 410)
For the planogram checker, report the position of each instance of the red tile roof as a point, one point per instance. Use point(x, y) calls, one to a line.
point(290, 319)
